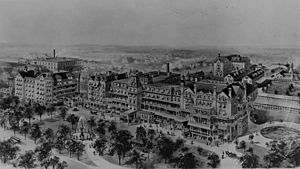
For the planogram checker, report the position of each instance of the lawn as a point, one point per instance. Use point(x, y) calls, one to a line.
point(258, 150)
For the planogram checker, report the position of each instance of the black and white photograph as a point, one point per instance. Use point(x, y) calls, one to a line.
point(149, 84)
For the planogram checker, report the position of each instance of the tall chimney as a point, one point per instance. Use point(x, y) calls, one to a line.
point(168, 67)
point(54, 53)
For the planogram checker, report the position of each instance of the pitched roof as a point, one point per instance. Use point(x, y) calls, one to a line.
point(278, 101)
point(29, 73)
point(264, 83)
point(108, 78)
point(238, 75)
point(235, 87)
point(206, 87)
point(256, 73)
point(250, 89)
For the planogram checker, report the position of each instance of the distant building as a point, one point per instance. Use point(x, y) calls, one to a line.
point(235, 76)
point(56, 64)
point(279, 103)
point(223, 65)
point(252, 77)
point(239, 62)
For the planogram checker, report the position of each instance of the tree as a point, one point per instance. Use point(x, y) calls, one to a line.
point(100, 129)
point(25, 128)
point(35, 132)
point(50, 109)
point(149, 146)
point(63, 131)
point(39, 110)
point(43, 152)
point(14, 125)
point(63, 112)
point(151, 134)
point(8, 151)
point(46, 163)
point(15, 100)
point(112, 127)
point(136, 158)
point(5, 103)
point(54, 161)
point(48, 134)
point(62, 165)
point(91, 122)
point(17, 115)
point(187, 161)
point(27, 160)
point(70, 145)
point(214, 160)
point(121, 143)
point(249, 160)
point(178, 143)
point(59, 144)
point(140, 133)
point(166, 148)
point(100, 145)
point(78, 149)
point(243, 145)
point(28, 113)
point(73, 119)
point(276, 155)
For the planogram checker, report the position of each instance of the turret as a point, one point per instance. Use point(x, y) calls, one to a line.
point(181, 92)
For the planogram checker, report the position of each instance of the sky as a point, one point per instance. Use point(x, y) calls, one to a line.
point(151, 22)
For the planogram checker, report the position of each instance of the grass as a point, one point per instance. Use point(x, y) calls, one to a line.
point(258, 150)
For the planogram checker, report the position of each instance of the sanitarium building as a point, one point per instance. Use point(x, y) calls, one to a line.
point(208, 107)
point(48, 80)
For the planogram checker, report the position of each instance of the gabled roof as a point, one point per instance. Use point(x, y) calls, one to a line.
point(238, 75)
point(108, 78)
point(250, 89)
point(235, 87)
point(29, 73)
point(256, 73)
point(205, 87)
point(264, 83)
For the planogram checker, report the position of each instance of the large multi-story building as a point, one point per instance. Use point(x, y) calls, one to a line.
point(56, 64)
point(44, 87)
point(208, 110)
point(223, 65)
point(99, 86)
point(238, 62)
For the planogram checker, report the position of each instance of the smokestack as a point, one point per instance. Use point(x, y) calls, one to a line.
point(168, 67)
point(54, 53)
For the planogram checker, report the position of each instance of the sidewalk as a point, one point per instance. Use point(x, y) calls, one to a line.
point(225, 163)
point(98, 160)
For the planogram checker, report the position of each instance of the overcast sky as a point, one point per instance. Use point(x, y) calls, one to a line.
point(151, 22)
